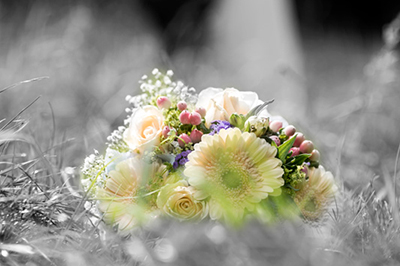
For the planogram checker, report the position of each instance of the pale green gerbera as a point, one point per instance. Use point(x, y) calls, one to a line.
point(129, 196)
point(234, 171)
point(315, 194)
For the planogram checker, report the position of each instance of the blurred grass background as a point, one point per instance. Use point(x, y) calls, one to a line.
point(94, 52)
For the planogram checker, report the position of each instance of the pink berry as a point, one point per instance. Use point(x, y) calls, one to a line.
point(315, 155)
point(163, 102)
point(295, 151)
point(183, 139)
point(195, 118)
point(275, 125)
point(289, 130)
point(165, 131)
point(184, 117)
point(276, 140)
point(202, 111)
point(181, 105)
point(306, 146)
point(299, 139)
point(195, 135)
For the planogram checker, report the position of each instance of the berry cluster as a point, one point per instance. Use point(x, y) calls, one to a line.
point(188, 121)
point(300, 144)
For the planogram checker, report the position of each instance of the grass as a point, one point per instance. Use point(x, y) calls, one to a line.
point(45, 219)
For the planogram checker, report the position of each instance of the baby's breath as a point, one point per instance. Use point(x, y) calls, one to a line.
point(115, 140)
point(93, 172)
point(160, 84)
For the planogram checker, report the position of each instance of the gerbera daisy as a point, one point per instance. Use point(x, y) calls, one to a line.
point(315, 194)
point(130, 192)
point(234, 171)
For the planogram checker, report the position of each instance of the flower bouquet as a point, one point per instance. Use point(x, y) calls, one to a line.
point(218, 154)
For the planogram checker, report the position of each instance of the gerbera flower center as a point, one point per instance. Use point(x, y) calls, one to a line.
point(232, 179)
point(234, 173)
point(311, 205)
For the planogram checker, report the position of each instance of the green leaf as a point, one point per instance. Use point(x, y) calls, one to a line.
point(284, 149)
point(273, 144)
point(299, 159)
point(202, 127)
point(256, 110)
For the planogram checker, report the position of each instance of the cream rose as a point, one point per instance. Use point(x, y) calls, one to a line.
point(145, 127)
point(221, 104)
point(176, 200)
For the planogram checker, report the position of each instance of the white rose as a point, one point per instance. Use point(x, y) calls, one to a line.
point(145, 127)
point(221, 104)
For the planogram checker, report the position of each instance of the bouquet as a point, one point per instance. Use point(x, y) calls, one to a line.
point(215, 155)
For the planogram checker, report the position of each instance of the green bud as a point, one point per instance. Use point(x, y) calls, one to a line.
point(237, 121)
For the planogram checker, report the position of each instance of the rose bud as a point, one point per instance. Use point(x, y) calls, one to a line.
point(202, 111)
point(165, 131)
point(306, 146)
point(289, 130)
point(181, 105)
point(184, 117)
point(315, 155)
point(195, 135)
point(299, 139)
point(275, 125)
point(183, 139)
point(163, 102)
point(276, 140)
point(195, 118)
point(295, 151)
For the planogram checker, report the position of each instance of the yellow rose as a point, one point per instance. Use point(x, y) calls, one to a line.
point(176, 200)
point(221, 104)
point(145, 127)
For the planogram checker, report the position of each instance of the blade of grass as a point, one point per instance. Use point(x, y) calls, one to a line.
point(395, 169)
point(23, 82)
point(45, 159)
point(19, 113)
point(37, 185)
point(391, 193)
point(53, 134)
point(39, 252)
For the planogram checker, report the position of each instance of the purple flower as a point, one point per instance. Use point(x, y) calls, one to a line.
point(181, 159)
point(217, 125)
